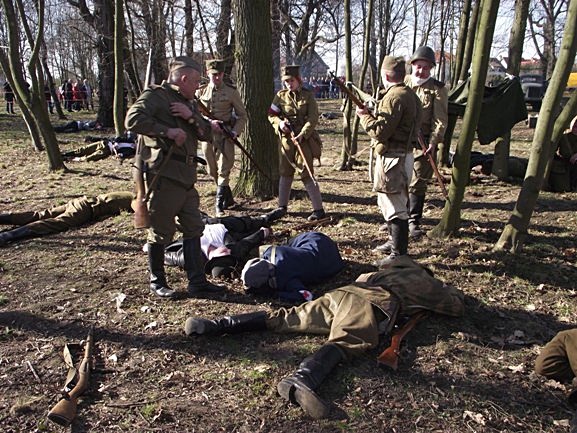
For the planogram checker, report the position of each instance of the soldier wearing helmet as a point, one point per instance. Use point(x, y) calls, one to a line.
point(434, 98)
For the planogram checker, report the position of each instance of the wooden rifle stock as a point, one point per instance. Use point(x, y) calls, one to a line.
point(421, 141)
point(228, 132)
point(300, 150)
point(65, 410)
point(141, 216)
point(308, 224)
point(390, 356)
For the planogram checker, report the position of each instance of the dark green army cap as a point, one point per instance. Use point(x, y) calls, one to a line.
point(215, 66)
point(183, 62)
point(394, 64)
point(290, 71)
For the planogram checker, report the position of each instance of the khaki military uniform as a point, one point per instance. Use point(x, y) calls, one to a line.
point(434, 98)
point(563, 175)
point(175, 193)
point(392, 128)
point(301, 110)
point(72, 214)
point(354, 316)
point(225, 104)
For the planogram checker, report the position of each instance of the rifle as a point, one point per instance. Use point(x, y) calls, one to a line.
point(65, 410)
point(421, 141)
point(347, 91)
point(306, 225)
point(228, 132)
point(390, 356)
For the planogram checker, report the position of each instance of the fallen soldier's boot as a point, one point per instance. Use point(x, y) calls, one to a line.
point(300, 387)
point(226, 325)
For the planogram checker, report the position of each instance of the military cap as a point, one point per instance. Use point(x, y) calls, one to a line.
point(215, 66)
point(183, 62)
point(393, 64)
point(290, 71)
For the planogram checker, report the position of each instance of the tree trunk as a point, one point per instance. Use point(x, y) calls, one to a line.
point(461, 42)
point(254, 79)
point(348, 112)
point(516, 40)
point(514, 234)
point(451, 218)
point(470, 42)
point(119, 108)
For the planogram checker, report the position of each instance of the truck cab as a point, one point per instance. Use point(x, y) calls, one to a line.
point(534, 86)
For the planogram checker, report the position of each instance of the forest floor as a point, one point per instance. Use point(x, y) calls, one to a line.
point(472, 374)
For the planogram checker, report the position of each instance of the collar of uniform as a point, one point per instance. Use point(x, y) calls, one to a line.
point(215, 87)
point(172, 87)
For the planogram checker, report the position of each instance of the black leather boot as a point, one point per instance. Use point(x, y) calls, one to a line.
point(387, 246)
point(300, 387)
point(173, 255)
point(399, 232)
point(416, 204)
point(194, 267)
point(158, 284)
point(6, 218)
point(219, 208)
point(228, 198)
point(15, 235)
point(226, 325)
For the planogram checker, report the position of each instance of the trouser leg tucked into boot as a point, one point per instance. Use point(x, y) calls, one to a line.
point(158, 284)
point(399, 230)
point(226, 325)
point(300, 387)
point(387, 246)
point(194, 267)
point(416, 204)
point(219, 208)
point(17, 234)
point(228, 201)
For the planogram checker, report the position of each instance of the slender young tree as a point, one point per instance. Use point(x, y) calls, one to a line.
point(255, 84)
point(451, 218)
point(119, 109)
point(347, 149)
point(515, 232)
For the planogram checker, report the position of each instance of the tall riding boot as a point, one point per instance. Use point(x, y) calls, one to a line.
point(6, 218)
point(399, 230)
point(226, 325)
point(300, 387)
point(173, 255)
point(158, 284)
point(387, 246)
point(194, 267)
point(15, 235)
point(416, 204)
point(228, 198)
point(219, 211)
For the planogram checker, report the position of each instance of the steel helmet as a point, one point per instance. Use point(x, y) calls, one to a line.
point(424, 53)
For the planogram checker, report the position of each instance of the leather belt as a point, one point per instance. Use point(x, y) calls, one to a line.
point(189, 160)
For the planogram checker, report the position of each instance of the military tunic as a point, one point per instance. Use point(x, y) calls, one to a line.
point(301, 110)
point(74, 213)
point(393, 127)
point(434, 98)
point(225, 103)
point(175, 193)
point(355, 315)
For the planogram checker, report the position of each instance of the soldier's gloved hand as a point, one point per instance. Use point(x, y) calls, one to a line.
point(380, 149)
point(177, 135)
point(284, 126)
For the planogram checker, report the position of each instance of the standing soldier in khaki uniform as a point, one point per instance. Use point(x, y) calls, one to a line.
point(352, 317)
point(393, 127)
point(225, 104)
point(295, 110)
point(435, 101)
point(167, 120)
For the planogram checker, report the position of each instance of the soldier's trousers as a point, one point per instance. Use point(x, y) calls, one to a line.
point(219, 159)
point(57, 219)
point(93, 152)
point(422, 172)
point(348, 319)
point(558, 359)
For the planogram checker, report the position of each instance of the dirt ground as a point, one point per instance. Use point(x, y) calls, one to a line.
point(472, 374)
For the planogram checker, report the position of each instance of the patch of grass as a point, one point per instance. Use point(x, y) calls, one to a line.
point(149, 410)
point(3, 300)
